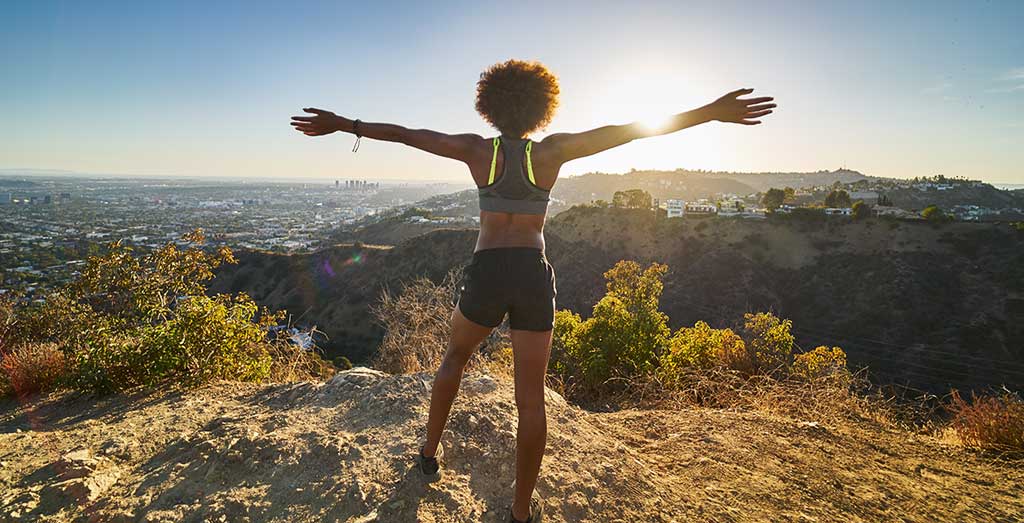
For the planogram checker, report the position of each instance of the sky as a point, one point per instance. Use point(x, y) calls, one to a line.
point(898, 89)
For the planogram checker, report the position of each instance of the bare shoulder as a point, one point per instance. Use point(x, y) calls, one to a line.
point(549, 150)
point(474, 142)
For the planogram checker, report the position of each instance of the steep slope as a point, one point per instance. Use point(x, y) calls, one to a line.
point(928, 306)
point(342, 450)
point(334, 289)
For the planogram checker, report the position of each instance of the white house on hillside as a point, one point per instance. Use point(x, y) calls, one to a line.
point(674, 208)
point(700, 208)
point(838, 211)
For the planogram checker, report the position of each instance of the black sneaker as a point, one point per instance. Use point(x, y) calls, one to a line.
point(429, 466)
point(536, 512)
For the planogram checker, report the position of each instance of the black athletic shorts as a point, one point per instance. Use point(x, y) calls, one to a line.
point(518, 281)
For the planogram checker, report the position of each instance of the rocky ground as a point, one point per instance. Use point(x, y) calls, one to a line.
point(342, 451)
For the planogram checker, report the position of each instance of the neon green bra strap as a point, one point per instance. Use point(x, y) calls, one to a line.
point(529, 162)
point(494, 161)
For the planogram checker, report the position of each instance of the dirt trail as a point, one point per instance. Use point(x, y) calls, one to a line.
point(341, 451)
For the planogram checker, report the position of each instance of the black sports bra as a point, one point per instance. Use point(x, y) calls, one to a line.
point(515, 191)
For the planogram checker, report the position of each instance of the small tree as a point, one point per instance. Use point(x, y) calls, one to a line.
point(632, 199)
point(770, 340)
point(773, 199)
point(839, 198)
point(934, 214)
point(861, 210)
point(624, 335)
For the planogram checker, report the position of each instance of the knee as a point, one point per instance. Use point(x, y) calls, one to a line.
point(531, 408)
point(452, 365)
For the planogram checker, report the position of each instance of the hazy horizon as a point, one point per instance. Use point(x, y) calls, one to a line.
point(193, 90)
point(327, 179)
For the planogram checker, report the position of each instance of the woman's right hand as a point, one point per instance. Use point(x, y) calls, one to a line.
point(733, 109)
point(321, 123)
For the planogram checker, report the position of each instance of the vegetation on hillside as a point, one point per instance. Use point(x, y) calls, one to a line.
point(130, 320)
point(838, 198)
point(625, 355)
point(626, 344)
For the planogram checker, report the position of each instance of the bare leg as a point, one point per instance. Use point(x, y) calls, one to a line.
point(531, 351)
point(466, 337)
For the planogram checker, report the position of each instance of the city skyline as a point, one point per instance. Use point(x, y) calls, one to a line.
point(911, 90)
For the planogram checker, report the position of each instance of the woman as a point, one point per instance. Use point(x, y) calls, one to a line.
point(509, 273)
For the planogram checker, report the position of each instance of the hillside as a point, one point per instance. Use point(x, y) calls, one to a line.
point(585, 188)
point(334, 289)
point(983, 195)
point(690, 185)
point(928, 306)
point(342, 450)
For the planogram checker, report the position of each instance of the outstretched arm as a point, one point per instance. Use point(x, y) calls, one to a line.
point(455, 146)
point(729, 108)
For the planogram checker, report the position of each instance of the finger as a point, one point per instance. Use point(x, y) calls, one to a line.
point(750, 122)
point(740, 92)
point(314, 110)
point(757, 114)
point(760, 100)
point(760, 107)
point(303, 118)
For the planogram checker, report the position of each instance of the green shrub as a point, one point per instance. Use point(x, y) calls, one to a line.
point(819, 363)
point(625, 334)
point(565, 343)
point(935, 215)
point(861, 210)
point(698, 348)
point(136, 320)
point(341, 363)
point(770, 341)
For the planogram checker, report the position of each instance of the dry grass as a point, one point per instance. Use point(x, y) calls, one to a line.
point(827, 399)
point(293, 363)
point(416, 324)
point(7, 323)
point(991, 423)
point(31, 368)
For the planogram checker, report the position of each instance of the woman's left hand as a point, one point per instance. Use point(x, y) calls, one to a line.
point(733, 109)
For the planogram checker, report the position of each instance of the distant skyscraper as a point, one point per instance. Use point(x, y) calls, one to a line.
point(336, 184)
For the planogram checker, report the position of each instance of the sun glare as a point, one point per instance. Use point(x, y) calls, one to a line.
point(655, 124)
point(651, 98)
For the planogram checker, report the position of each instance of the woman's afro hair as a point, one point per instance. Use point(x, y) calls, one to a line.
point(517, 97)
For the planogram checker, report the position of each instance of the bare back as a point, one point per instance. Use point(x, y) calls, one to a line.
point(502, 229)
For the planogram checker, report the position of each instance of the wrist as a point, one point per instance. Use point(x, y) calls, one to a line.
point(707, 113)
point(343, 124)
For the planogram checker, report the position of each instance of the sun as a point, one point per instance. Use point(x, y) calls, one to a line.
point(652, 97)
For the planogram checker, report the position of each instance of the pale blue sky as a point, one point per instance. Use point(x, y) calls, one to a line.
point(185, 88)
